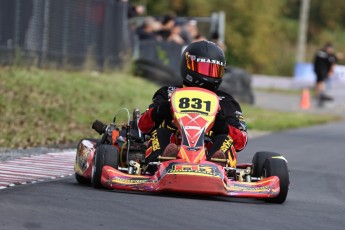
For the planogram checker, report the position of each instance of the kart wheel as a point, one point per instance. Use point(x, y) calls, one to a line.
point(277, 167)
point(82, 180)
point(96, 141)
point(259, 160)
point(105, 155)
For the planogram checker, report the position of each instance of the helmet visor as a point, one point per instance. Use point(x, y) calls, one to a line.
point(205, 66)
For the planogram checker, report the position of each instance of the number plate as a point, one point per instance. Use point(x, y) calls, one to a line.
point(195, 100)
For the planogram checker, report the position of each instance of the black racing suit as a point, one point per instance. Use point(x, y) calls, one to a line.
point(323, 62)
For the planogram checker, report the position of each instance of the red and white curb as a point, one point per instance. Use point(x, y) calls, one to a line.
point(36, 168)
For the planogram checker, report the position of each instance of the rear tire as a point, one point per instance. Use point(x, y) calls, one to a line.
point(277, 167)
point(259, 160)
point(105, 155)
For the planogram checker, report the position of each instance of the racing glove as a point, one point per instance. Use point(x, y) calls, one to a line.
point(161, 112)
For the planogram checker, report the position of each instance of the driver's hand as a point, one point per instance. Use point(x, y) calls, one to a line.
point(162, 112)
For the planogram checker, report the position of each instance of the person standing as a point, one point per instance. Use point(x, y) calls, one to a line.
point(324, 63)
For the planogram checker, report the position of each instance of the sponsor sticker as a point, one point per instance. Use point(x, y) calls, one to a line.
point(129, 181)
point(204, 170)
point(280, 157)
point(249, 189)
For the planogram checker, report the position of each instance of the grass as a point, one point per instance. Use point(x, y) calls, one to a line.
point(280, 91)
point(271, 120)
point(40, 107)
point(49, 107)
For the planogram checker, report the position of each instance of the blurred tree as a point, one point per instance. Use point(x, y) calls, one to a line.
point(159, 7)
point(327, 14)
point(253, 33)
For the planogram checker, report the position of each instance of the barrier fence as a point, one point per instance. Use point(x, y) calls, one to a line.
point(63, 32)
point(94, 34)
point(304, 74)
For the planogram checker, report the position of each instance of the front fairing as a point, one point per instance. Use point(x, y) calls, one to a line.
point(194, 112)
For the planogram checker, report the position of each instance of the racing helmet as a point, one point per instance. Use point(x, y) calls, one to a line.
point(202, 65)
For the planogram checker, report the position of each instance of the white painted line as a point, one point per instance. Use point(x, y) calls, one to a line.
point(28, 174)
point(33, 173)
point(33, 169)
point(2, 183)
point(51, 161)
point(10, 180)
point(36, 168)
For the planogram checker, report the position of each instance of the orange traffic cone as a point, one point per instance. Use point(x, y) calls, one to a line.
point(305, 99)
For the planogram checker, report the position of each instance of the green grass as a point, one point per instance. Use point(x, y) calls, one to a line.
point(40, 107)
point(48, 107)
point(271, 120)
point(280, 91)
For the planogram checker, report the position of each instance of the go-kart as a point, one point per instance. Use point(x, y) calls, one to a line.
point(116, 161)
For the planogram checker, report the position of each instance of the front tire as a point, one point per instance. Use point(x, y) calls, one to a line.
point(259, 160)
point(105, 155)
point(79, 178)
point(277, 167)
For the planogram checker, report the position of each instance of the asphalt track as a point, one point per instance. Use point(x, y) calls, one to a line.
point(316, 199)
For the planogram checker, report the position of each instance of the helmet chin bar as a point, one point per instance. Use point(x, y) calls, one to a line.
point(203, 83)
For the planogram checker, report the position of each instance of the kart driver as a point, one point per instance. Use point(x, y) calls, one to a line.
point(202, 65)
